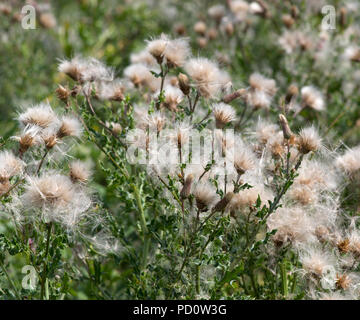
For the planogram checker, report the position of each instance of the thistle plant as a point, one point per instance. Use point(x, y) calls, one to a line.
point(196, 169)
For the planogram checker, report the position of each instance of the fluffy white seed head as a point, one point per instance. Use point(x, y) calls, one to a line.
point(243, 201)
point(79, 171)
point(312, 98)
point(261, 91)
point(140, 75)
point(205, 74)
point(316, 262)
point(41, 115)
point(86, 69)
point(308, 140)
point(9, 165)
point(142, 57)
point(56, 197)
point(349, 162)
point(265, 131)
point(223, 114)
point(205, 196)
point(244, 159)
point(293, 225)
point(176, 52)
point(28, 138)
point(155, 122)
point(113, 90)
point(217, 12)
point(156, 47)
point(261, 83)
point(70, 127)
point(173, 96)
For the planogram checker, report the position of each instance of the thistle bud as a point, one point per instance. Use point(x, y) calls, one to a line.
point(184, 83)
point(356, 56)
point(4, 186)
point(25, 142)
point(186, 190)
point(294, 12)
point(62, 93)
point(202, 42)
point(342, 281)
point(285, 127)
point(292, 92)
point(174, 81)
point(47, 20)
point(5, 9)
point(180, 29)
point(264, 9)
point(17, 17)
point(200, 27)
point(212, 34)
point(343, 13)
point(229, 29)
point(344, 245)
point(75, 91)
point(232, 96)
point(308, 140)
point(115, 127)
point(50, 141)
point(288, 20)
point(221, 205)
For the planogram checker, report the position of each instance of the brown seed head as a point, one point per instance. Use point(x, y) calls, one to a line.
point(186, 190)
point(221, 205)
point(62, 93)
point(184, 83)
point(288, 20)
point(342, 281)
point(292, 92)
point(285, 127)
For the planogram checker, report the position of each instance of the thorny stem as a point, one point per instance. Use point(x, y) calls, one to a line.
point(253, 283)
point(100, 121)
point(144, 227)
point(242, 115)
point(196, 101)
point(272, 208)
point(168, 187)
point(284, 279)
point(93, 139)
point(190, 104)
point(287, 156)
point(225, 177)
point(197, 279)
point(334, 122)
point(163, 75)
point(44, 274)
point(189, 247)
point(203, 119)
point(183, 217)
point(192, 107)
point(42, 161)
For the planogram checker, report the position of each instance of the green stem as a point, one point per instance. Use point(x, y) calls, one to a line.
point(253, 283)
point(10, 281)
point(44, 275)
point(144, 228)
point(197, 279)
point(284, 279)
point(42, 161)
